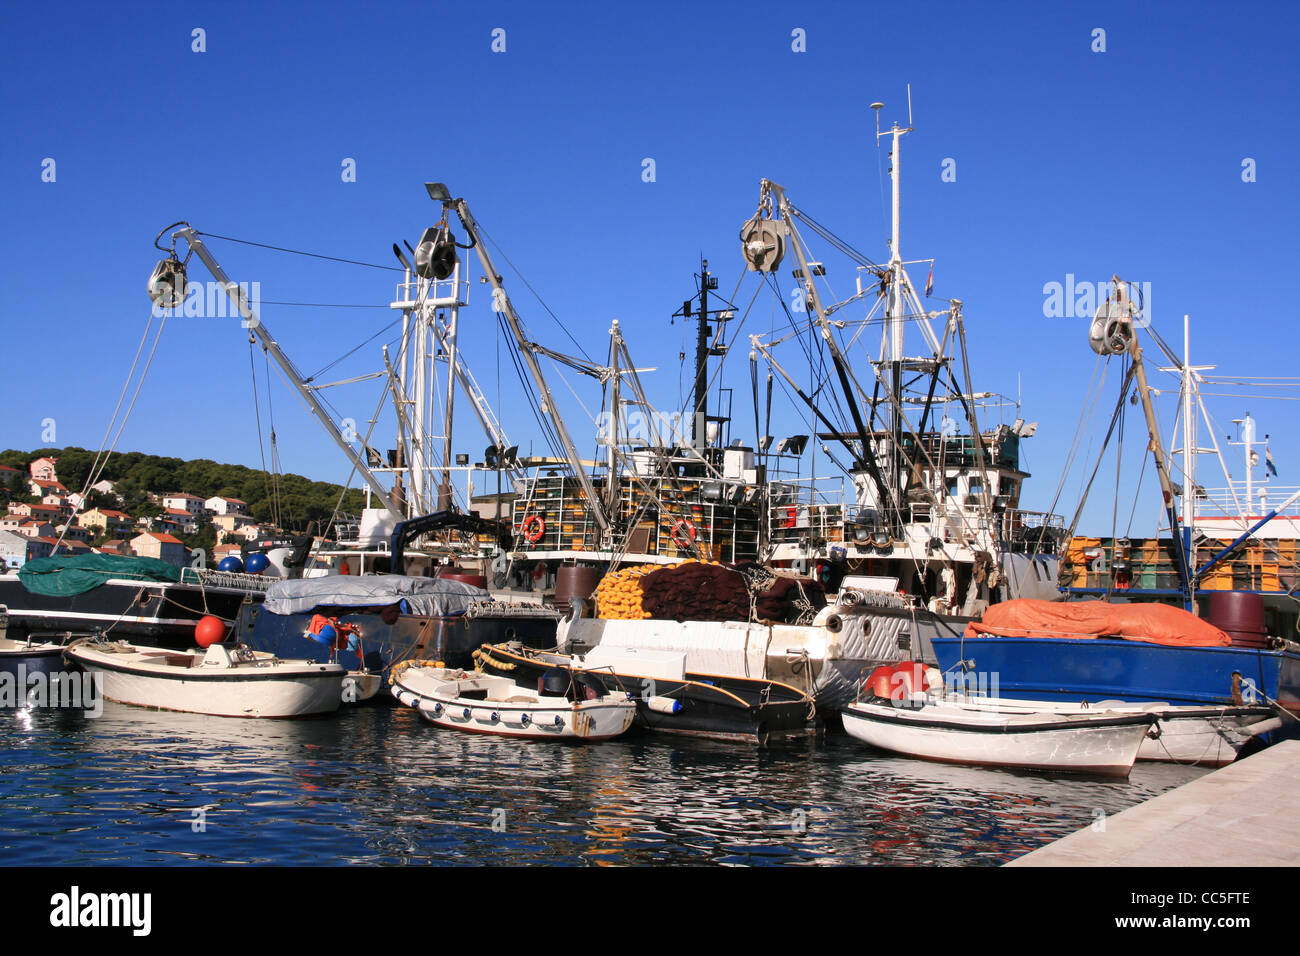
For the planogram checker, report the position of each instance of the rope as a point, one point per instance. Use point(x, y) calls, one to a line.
point(299, 252)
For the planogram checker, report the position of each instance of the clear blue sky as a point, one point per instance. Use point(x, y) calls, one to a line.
point(1068, 161)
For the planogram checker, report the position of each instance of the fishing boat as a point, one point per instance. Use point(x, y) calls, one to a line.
point(1193, 639)
point(1093, 651)
point(135, 598)
point(669, 699)
point(1187, 735)
point(566, 704)
point(372, 622)
point(918, 530)
point(225, 680)
point(988, 734)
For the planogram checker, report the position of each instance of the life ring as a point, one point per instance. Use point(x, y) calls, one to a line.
point(533, 529)
point(791, 514)
point(683, 533)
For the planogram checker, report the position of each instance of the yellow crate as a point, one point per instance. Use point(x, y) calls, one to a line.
point(1219, 579)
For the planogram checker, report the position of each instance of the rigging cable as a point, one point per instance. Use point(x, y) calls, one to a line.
point(97, 466)
point(299, 252)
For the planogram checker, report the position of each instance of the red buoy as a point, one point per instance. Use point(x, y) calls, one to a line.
point(209, 630)
point(881, 681)
point(909, 679)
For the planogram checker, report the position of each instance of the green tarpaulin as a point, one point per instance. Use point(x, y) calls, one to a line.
point(77, 574)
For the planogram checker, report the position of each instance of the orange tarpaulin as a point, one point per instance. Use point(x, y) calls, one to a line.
point(1157, 623)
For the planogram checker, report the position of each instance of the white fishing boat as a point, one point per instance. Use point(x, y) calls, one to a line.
point(1204, 736)
point(226, 680)
point(566, 706)
point(987, 733)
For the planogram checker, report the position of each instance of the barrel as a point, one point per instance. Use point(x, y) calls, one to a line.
point(465, 577)
point(1241, 615)
point(574, 581)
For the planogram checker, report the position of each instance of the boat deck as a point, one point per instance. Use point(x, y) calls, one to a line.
point(1227, 818)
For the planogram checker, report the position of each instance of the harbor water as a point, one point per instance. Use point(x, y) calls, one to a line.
point(376, 785)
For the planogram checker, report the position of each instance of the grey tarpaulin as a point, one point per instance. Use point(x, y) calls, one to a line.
point(426, 596)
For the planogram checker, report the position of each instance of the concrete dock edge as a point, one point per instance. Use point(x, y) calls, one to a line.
point(1239, 815)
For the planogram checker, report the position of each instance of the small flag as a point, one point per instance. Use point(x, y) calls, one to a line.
point(1268, 463)
point(929, 281)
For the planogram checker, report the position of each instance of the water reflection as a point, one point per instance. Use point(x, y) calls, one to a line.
point(378, 785)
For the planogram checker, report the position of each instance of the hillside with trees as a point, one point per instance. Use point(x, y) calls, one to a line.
point(290, 501)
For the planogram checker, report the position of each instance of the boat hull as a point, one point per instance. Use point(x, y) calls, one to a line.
point(1199, 736)
point(1103, 745)
point(542, 718)
point(706, 705)
point(143, 612)
point(284, 690)
point(19, 659)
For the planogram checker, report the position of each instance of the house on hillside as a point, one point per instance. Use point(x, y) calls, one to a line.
point(176, 520)
point(226, 506)
point(164, 547)
point(27, 527)
point(74, 533)
point(105, 487)
point(225, 551)
point(41, 512)
point(180, 501)
point(42, 469)
point(232, 523)
point(16, 550)
point(110, 521)
point(40, 487)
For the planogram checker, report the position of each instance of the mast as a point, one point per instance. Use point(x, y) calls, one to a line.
point(1162, 470)
point(1190, 449)
point(444, 491)
point(527, 350)
point(703, 350)
point(700, 426)
point(613, 417)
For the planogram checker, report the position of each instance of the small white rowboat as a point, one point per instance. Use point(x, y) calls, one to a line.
point(1185, 734)
point(1094, 742)
point(224, 681)
point(477, 703)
